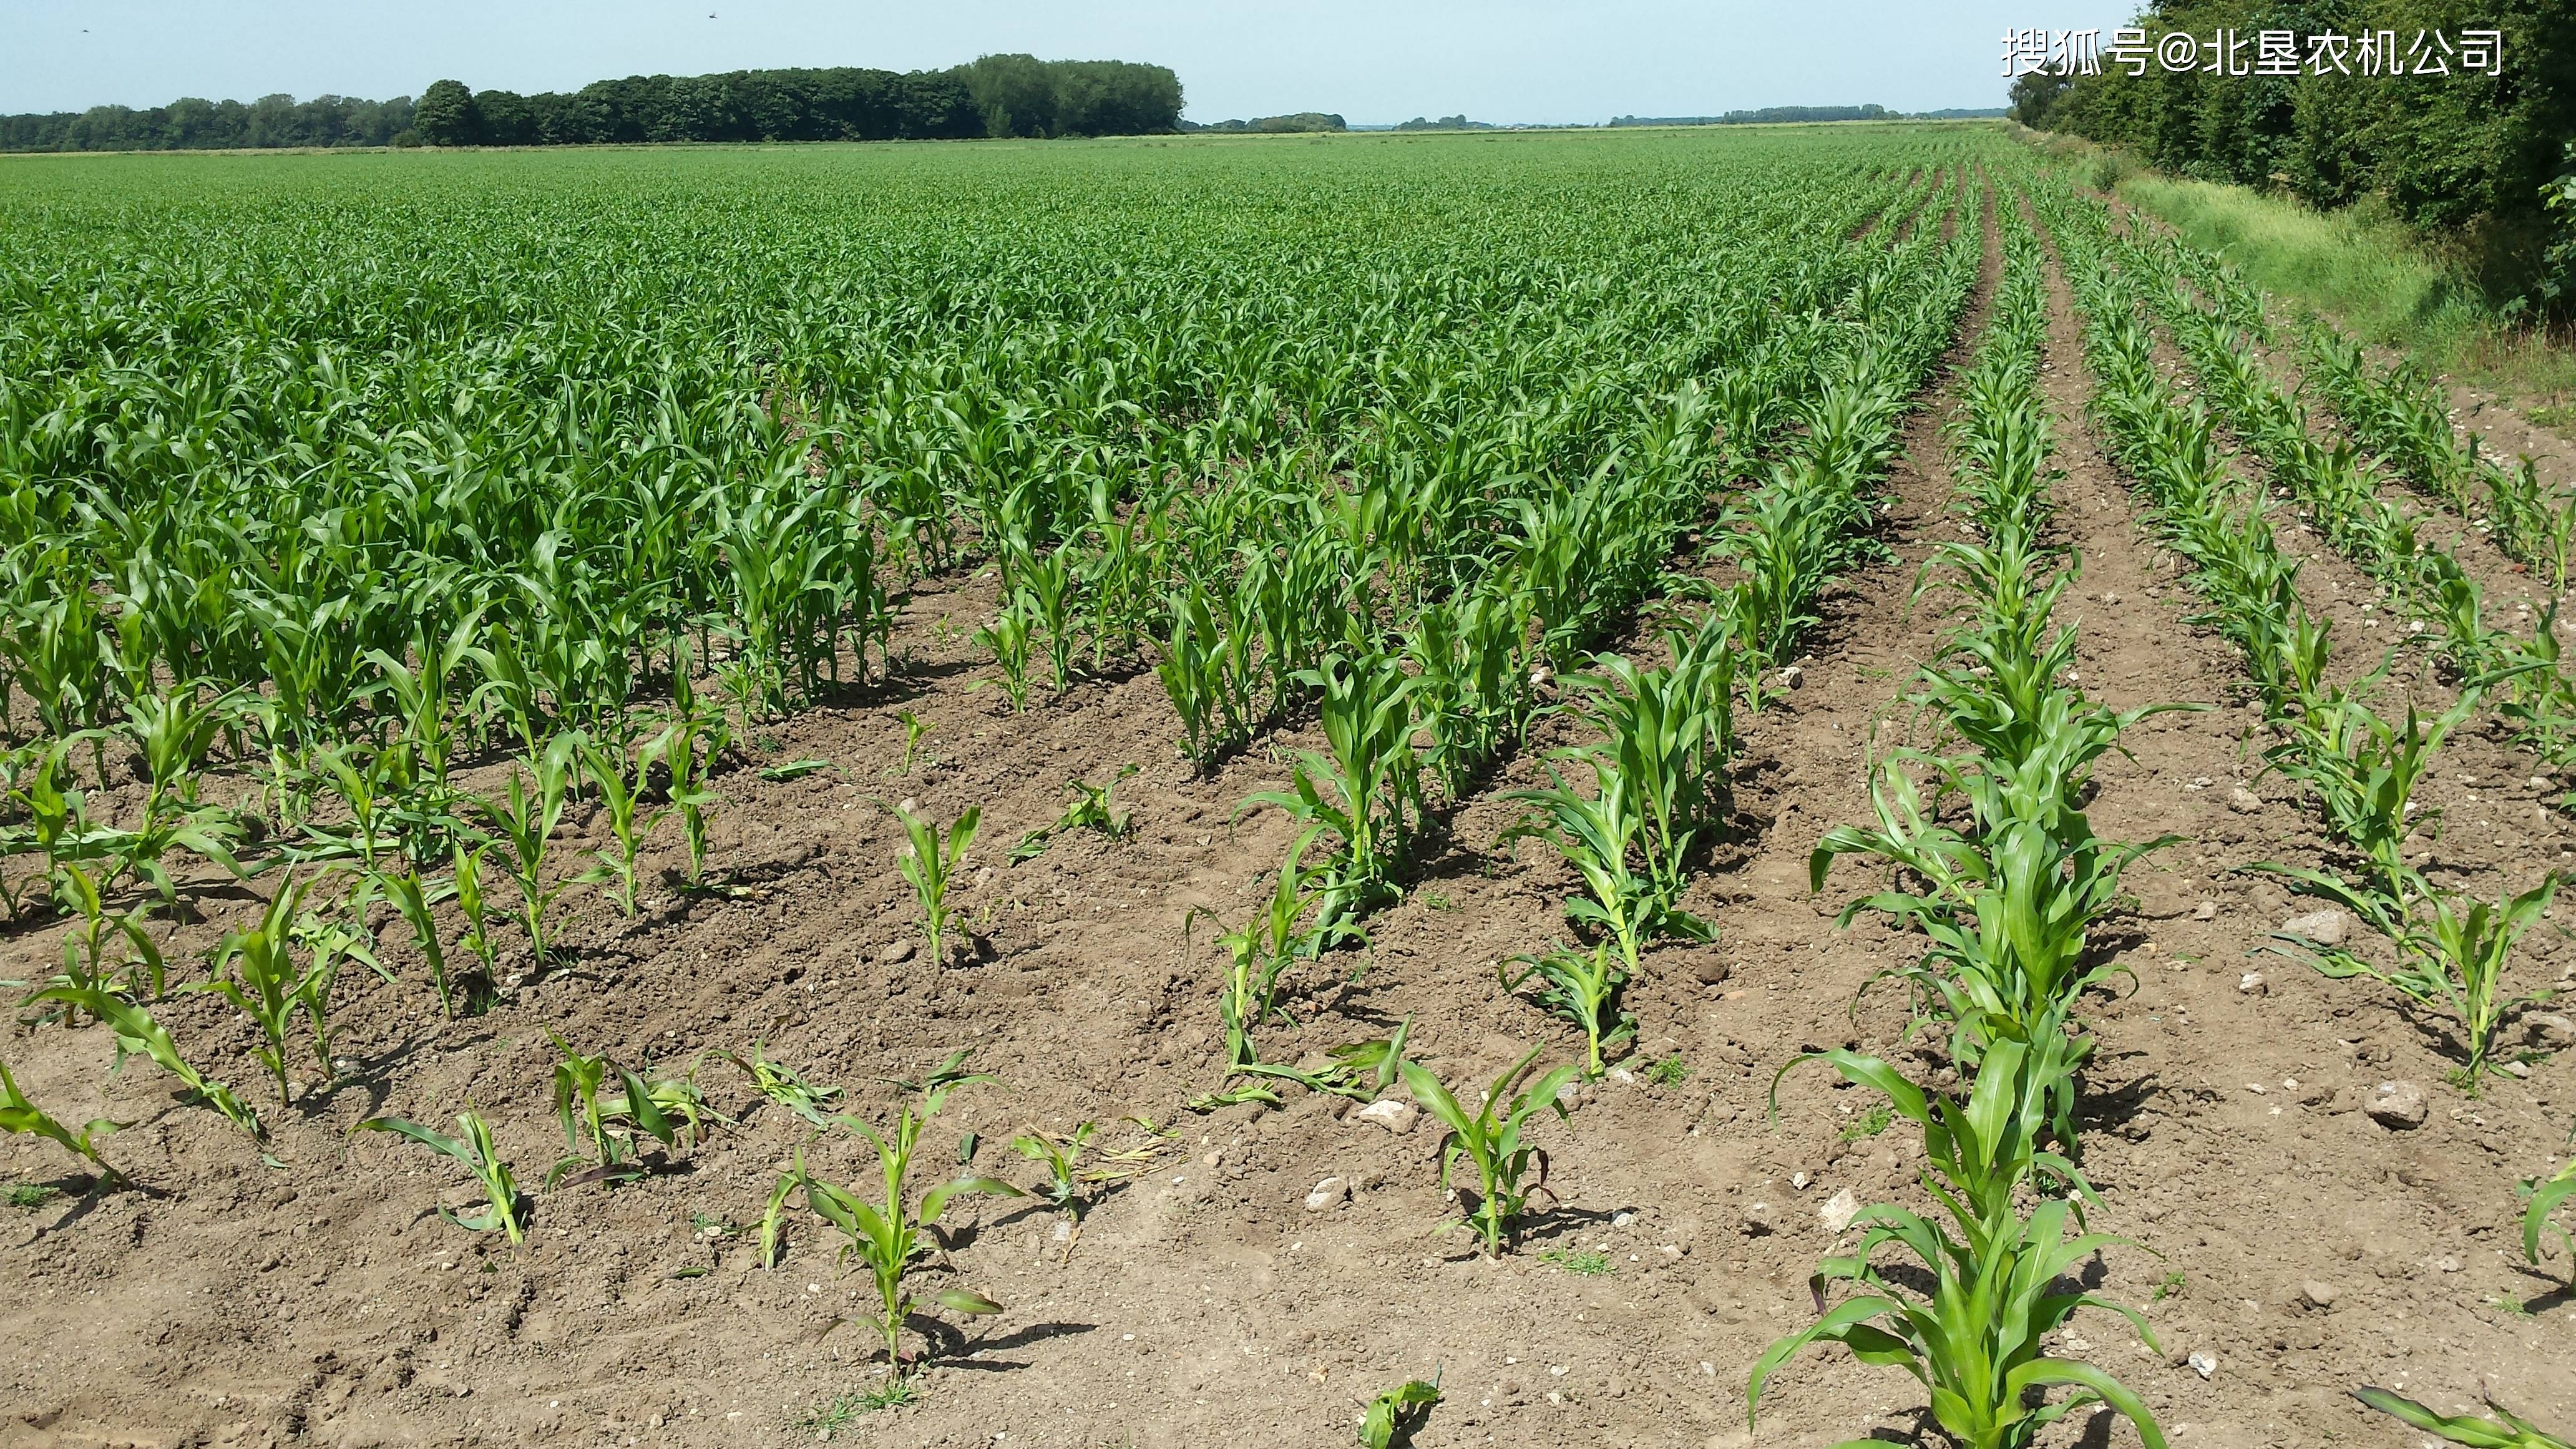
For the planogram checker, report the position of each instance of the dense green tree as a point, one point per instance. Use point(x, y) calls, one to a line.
point(508, 119)
point(2469, 155)
point(446, 115)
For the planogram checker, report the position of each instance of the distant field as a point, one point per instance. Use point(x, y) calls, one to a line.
point(664, 663)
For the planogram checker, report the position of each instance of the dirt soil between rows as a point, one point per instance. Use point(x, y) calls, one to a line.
point(310, 1294)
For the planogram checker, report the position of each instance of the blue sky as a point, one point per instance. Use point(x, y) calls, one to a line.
point(1371, 60)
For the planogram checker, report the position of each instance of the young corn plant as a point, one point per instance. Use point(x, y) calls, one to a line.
point(1092, 809)
point(524, 818)
point(334, 939)
point(930, 861)
point(787, 1087)
point(1007, 639)
point(2542, 1197)
point(1045, 596)
point(2505, 1431)
point(256, 971)
point(1491, 1139)
point(1207, 670)
point(1670, 733)
point(1072, 1188)
point(472, 1149)
point(893, 1236)
point(1259, 953)
point(1581, 986)
point(1974, 1337)
point(621, 787)
point(415, 897)
point(2364, 770)
point(690, 794)
point(20, 1116)
point(137, 1033)
point(2007, 907)
point(141, 969)
point(2453, 951)
point(1366, 788)
point(914, 728)
point(610, 1110)
point(1594, 834)
point(467, 880)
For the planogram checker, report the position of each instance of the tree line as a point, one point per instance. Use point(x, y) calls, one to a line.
point(201, 125)
point(1303, 122)
point(2471, 158)
point(1769, 115)
point(996, 95)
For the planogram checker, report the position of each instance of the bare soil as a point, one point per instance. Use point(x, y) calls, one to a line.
point(317, 1298)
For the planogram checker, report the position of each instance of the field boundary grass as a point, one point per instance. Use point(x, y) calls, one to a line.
point(2370, 275)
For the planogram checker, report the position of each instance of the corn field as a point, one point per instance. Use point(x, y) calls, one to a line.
point(1580, 632)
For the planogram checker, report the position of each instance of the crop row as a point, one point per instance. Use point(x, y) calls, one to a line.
point(1997, 867)
point(2339, 487)
point(2452, 952)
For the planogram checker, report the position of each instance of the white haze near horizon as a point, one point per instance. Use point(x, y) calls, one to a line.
point(1372, 61)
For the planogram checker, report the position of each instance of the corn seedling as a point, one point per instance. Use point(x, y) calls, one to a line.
point(786, 1087)
point(471, 1148)
point(1007, 639)
point(139, 971)
point(1258, 953)
point(2505, 1431)
point(1393, 1417)
point(1207, 670)
point(1092, 809)
point(1669, 732)
point(2364, 769)
point(1490, 1139)
point(1366, 789)
point(2007, 909)
point(913, 730)
point(333, 940)
point(415, 897)
point(256, 971)
point(524, 818)
point(18, 1115)
point(2542, 1197)
point(690, 793)
point(929, 861)
point(1975, 1337)
point(890, 1236)
point(1263, 948)
point(609, 1110)
point(1981, 1147)
point(1594, 834)
point(2452, 951)
point(136, 1032)
point(1044, 596)
point(467, 879)
point(1070, 1187)
point(620, 788)
point(1581, 986)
